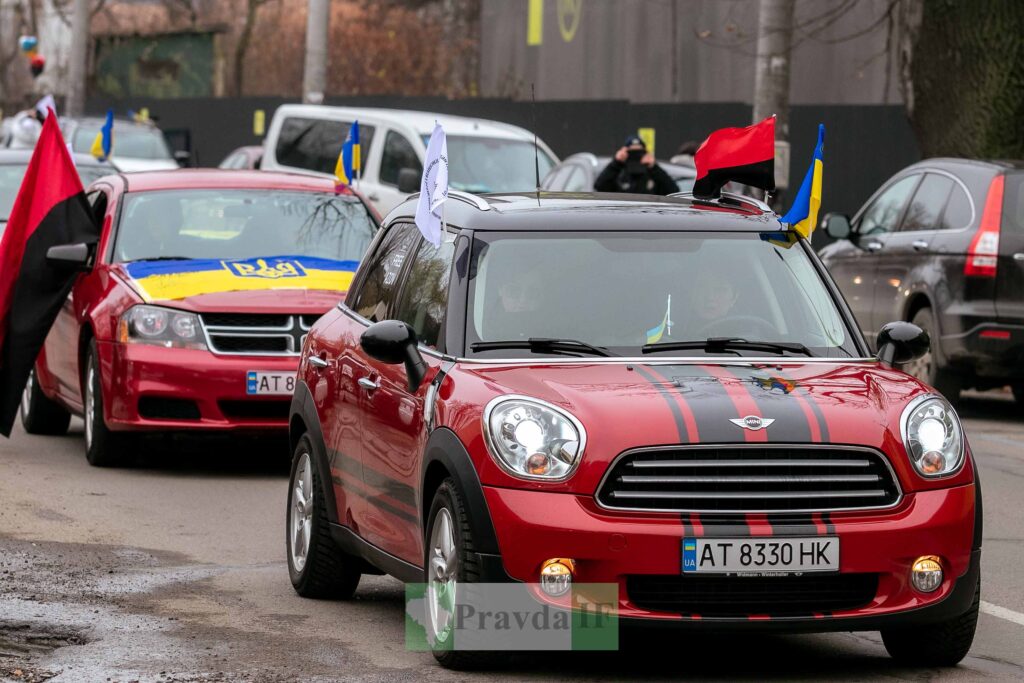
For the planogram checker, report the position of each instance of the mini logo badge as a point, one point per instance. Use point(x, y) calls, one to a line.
point(753, 422)
point(261, 269)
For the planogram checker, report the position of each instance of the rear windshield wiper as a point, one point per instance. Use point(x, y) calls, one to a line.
point(542, 344)
point(728, 344)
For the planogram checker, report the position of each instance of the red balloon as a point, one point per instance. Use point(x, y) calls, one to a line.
point(36, 65)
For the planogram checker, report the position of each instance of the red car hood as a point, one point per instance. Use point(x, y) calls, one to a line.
point(625, 405)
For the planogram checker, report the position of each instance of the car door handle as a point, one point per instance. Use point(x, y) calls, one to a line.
point(873, 246)
point(318, 362)
point(919, 245)
point(368, 384)
point(1018, 256)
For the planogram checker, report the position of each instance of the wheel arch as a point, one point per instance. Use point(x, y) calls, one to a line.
point(303, 419)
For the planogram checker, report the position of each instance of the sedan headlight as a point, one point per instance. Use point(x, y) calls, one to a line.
point(159, 326)
point(533, 439)
point(933, 436)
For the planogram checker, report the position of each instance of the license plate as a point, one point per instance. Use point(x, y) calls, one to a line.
point(269, 383)
point(760, 555)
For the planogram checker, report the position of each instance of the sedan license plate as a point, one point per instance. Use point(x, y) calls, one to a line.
point(761, 555)
point(269, 383)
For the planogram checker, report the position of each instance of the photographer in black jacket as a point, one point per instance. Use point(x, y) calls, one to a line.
point(633, 169)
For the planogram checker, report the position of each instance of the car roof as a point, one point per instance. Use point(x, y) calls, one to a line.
point(420, 121)
point(16, 156)
point(994, 164)
point(599, 212)
point(205, 178)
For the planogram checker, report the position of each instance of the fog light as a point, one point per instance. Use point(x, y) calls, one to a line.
point(926, 574)
point(556, 576)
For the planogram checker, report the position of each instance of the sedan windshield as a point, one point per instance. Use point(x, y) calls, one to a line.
point(133, 142)
point(650, 294)
point(242, 224)
point(479, 164)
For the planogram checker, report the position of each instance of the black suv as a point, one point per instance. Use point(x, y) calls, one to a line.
point(942, 244)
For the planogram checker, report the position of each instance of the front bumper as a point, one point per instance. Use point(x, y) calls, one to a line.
point(150, 388)
point(609, 547)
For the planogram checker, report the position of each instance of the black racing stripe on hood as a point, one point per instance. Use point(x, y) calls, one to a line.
point(707, 399)
point(673, 407)
point(808, 396)
point(790, 424)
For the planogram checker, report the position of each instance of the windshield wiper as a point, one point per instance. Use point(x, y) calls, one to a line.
point(728, 344)
point(161, 258)
point(542, 344)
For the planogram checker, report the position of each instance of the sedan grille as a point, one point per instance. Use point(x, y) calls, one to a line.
point(754, 478)
point(261, 334)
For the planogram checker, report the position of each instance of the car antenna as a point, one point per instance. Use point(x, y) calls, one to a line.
point(536, 146)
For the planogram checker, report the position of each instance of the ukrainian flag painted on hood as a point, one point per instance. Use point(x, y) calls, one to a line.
point(169, 280)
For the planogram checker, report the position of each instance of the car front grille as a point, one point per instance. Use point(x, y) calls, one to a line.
point(749, 478)
point(740, 596)
point(269, 334)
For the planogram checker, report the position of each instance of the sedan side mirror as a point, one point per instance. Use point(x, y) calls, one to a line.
point(837, 225)
point(70, 256)
point(408, 181)
point(394, 342)
point(901, 342)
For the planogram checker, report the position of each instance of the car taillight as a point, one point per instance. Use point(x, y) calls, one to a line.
point(983, 255)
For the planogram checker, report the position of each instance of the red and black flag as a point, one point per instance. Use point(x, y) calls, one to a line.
point(50, 210)
point(741, 155)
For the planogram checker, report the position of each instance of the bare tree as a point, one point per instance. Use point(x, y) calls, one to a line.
point(242, 46)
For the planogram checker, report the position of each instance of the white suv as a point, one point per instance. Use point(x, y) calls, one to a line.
point(483, 156)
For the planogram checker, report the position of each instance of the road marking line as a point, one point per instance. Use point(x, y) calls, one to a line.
point(1002, 613)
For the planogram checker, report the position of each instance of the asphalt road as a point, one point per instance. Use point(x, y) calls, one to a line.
point(175, 571)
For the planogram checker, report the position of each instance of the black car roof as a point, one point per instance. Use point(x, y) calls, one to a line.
point(606, 212)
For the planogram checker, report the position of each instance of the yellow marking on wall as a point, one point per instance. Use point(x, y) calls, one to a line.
point(569, 18)
point(259, 122)
point(647, 135)
point(535, 22)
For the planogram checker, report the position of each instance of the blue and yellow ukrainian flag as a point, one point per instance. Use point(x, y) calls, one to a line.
point(103, 145)
point(655, 334)
point(350, 158)
point(803, 215)
point(169, 280)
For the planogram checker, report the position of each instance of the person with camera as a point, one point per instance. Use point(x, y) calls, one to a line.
point(633, 169)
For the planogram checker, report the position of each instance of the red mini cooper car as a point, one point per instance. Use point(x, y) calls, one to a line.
point(667, 395)
point(192, 309)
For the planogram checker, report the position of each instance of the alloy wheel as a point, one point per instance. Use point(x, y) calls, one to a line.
point(300, 514)
point(920, 367)
point(442, 572)
point(26, 395)
point(90, 403)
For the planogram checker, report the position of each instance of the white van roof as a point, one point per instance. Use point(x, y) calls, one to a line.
point(420, 121)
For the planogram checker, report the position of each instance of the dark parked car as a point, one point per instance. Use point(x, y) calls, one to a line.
point(578, 173)
point(942, 244)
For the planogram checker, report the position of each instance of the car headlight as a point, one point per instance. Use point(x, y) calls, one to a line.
point(933, 436)
point(533, 439)
point(159, 326)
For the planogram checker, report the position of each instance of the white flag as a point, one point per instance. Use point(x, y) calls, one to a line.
point(433, 187)
point(45, 104)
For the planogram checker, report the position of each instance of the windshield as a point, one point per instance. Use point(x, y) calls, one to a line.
point(11, 176)
point(621, 291)
point(479, 164)
point(134, 142)
point(242, 224)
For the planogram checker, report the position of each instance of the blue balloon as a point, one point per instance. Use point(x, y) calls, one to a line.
point(28, 43)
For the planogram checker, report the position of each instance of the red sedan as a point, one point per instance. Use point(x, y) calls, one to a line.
point(192, 308)
point(667, 396)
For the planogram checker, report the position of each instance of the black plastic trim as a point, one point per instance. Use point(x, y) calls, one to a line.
point(352, 544)
point(304, 407)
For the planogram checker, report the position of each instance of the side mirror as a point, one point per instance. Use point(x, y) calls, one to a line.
point(408, 181)
point(70, 256)
point(901, 342)
point(183, 157)
point(394, 342)
point(837, 225)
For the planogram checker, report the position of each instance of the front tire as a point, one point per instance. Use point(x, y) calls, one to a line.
point(449, 561)
point(927, 368)
point(941, 644)
point(317, 567)
point(103, 448)
point(40, 415)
